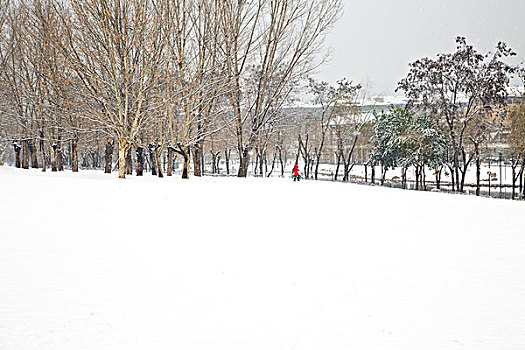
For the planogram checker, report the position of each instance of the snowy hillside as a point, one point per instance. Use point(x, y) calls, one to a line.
point(91, 262)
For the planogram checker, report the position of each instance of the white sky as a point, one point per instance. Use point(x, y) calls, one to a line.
point(374, 40)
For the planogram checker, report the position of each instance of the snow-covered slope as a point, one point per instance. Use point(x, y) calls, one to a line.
point(91, 262)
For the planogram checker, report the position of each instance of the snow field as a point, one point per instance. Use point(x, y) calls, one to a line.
point(88, 261)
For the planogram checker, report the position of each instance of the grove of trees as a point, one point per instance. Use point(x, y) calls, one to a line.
point(151, 78)
point(459, 90)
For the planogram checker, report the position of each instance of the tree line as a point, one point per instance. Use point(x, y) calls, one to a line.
point(458, 103)
point(151, 77)
point(151, 81)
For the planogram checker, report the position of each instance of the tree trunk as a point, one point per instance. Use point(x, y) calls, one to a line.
point(522, 187)
point(273, 163)
point(438, 176)
point(184, 152)
point(521, 172)
point(34, 155)
point(517, 175)
point(197, 160)
point(244, 163)
point(140, 161)
point(85, 157)
point(463, 170)
point(463, 177)
point(54, 157)
point(452, 176)
point(423, 178)
point(261, 164)
point(349, 165)
point(59, 158)
point(123, 148)
point(203, 158)
point(108, 153)
point(17, 149)
point(303, 150)
point(265, 155)
point(281, 161)
point(74, 151)
point(404, 178)
point(227, 159)
point(25, 154)
point(513, 181)
point(346, 165)
point(43, 152)
point(213, 162)
point(158, 159)
point(153, 166)
point(319, 153)
point(521, 183)
point(129, 162)
point(317, 160)
point(417, 177)
point(94, 159)
point(186, 163)
point(2, 155)
point(456, 169)
point(337, 167)
point(217, 161)
point(169, 169)
point(478, 170)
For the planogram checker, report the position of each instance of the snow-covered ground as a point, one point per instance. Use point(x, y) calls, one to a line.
point(88, 261)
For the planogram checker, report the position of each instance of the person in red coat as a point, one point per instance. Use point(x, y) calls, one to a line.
point(296, 175)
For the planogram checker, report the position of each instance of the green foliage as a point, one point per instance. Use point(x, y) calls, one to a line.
point(404, 138)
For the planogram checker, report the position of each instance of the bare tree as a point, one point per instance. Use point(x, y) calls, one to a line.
point(330, 98)
point(275, 43)
point(115, 48)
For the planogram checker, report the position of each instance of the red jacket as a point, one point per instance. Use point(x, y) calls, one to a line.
point(296, 170)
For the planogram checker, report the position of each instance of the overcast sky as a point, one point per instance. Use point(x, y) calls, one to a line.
point(374, 40)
